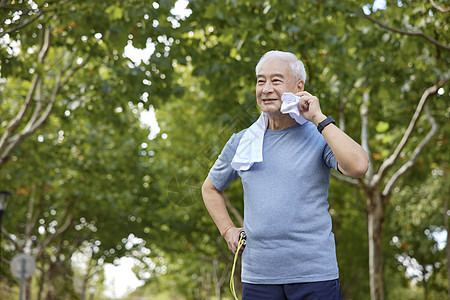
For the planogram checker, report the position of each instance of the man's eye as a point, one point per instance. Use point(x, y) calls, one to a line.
point(260, 81)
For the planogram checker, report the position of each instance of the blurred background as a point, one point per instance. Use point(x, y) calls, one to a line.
point(112, 113)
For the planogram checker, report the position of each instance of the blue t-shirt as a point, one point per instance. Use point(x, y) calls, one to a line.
point(286, 218)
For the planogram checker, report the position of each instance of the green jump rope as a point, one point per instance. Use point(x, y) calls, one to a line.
point(241, 243)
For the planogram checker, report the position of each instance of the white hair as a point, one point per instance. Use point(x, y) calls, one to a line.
point(296, 65)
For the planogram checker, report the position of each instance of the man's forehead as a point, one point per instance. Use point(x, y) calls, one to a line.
point(275, 67)
point(270, 75)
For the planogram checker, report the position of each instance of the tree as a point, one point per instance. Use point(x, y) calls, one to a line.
point(183, 154)
point(347, 67)
point(81, 194)
point(200, 80)
point(49, 42)
point(421, 258)
point(66, 59)
point(378, 185)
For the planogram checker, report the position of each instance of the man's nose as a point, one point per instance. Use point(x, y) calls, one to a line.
point(268, 88)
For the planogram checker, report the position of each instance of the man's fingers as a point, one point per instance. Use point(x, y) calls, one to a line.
point(233, 246)
point(241, 250)
point(232, 238)
point(303, 104)
point(233, 249)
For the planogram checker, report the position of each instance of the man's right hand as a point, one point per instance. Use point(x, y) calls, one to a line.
point(215, 204)
point(231, 235)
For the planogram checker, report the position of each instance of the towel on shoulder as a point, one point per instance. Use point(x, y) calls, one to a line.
point(250, 146)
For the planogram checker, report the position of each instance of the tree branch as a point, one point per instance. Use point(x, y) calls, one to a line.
point(223, 277)
point(13, 141)
point(364, 112)
point(74, 70)
point(58, 86)
point(406, 166)
point(441, 9)
point(224, 255)
point(31, 216)
point(234, 212)
point(14, 7)
point(44, 44)
point(390, 161)
point(14, 123)
point(21, 25)
point(63, 228)
point(417, 33)
point(6, 233)
point(345, 179)
point(25, 9)
point(39, 12)
point(342, 103)
point(5, 261)
point(32, 126)
point(39, 104)
point(7, 144)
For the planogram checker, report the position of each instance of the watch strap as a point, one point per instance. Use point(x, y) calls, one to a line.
point(325, 123)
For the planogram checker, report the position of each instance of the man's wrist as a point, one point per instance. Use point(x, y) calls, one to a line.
point(319, 118)
point(226, 230)
point(321, 126)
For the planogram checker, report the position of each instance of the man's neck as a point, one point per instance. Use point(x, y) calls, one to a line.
point(280, 121)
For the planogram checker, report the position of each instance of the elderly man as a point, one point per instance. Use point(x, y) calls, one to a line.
point(284, 161)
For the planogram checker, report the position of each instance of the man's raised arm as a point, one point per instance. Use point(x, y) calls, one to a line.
point(352, 159)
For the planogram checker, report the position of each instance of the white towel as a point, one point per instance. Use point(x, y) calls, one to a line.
point(250, 147)
point(290, 105)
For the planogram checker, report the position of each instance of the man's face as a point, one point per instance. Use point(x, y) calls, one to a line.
point(274, 79)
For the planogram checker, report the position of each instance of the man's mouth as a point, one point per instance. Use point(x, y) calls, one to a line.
point(269, 100)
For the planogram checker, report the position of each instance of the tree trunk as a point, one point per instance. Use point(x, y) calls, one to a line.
point(50, 274)
point(375, 219)
point(218, 292)
point(41, 286)
point(425, 286)
point(447, 246)
point(237, 278)
point(205, 282)
point(216, 280)
point(83, 288)
point(27, 289)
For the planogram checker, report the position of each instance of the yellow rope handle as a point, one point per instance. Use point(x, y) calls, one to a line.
point(240, 244)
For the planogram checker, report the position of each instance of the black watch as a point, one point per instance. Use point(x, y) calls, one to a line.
point(325, 123)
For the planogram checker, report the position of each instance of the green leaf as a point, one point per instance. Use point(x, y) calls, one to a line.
point(382, 126)
point(210, 11)
point(114, 12)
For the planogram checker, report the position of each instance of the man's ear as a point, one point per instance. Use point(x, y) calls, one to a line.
point(300, 86)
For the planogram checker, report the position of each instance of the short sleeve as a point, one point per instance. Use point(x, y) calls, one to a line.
point(221, 173)
point(329, 159)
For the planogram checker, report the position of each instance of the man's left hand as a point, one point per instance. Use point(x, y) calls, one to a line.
point(309, 107)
